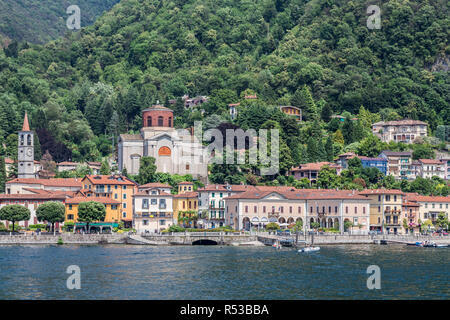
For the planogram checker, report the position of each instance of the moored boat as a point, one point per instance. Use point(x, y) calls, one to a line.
point(309, 249)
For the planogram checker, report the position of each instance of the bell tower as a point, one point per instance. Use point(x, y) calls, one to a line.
point(25, 154)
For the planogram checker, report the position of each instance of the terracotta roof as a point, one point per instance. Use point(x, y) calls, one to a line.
point(417, 198)
point(223, 188)
point(33, 196)
point(251, 97)
point(185, 183)
point(347, 154)
point(9, 161)
point(315, 166)
point(400, 123)
point(430, 161)
point(381, 191)
point(104, 200)
point(94, 163)
point(109, 179)
point(299, 194)
point(234, 104)
point(26, 126)
point(145, 193)
point(410, 204)
point(154, 185)
point(53, 182)
point(186, 195)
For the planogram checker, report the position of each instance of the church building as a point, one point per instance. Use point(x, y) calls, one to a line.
point(175, 151)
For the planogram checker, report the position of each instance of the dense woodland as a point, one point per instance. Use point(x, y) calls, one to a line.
point(39, 21)
point(81, 91)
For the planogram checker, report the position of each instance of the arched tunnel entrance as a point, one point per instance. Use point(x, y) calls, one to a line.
point(204, 242)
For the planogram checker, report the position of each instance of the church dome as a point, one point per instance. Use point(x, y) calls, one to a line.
point(157, 116)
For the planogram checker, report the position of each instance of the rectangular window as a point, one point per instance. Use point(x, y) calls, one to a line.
point(154, 201)
point(124, 187)
point(246, 209)
point(124, 205)
point(254, 209)
point(299, 209)
point(124, 214)
point(145, 203)
point(356, 210)
point(115, 196)
point(114, 207)
point(124, 195)
point(346, 209)
point(70, 217)
point(162, 222)
point(264, 209)
point(70, 207)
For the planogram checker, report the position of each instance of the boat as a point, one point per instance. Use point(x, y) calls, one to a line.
point(309, 249)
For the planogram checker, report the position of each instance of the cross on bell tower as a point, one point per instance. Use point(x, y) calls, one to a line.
point(25, 152)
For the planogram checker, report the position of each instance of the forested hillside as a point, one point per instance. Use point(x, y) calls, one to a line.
point(319, 55)
point(39, 21)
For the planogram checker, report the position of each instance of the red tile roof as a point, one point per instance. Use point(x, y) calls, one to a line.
point(185, 183)
point(109, 179)
point(53, 182)
point(223, 188)
point(315, 166)
point(299, 194)
point(34, 196)
point(381, 191)
point(430, 161)
point(145, 193)
point(186, 195)
point(104, 200)
point(416, 198)
point(154, 185)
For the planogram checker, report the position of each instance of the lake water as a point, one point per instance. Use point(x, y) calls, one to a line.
point(214, 272)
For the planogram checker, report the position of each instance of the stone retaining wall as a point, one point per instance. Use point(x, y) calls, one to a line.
point(67, 238)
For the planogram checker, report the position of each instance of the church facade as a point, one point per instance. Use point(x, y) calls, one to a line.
point(175, 151)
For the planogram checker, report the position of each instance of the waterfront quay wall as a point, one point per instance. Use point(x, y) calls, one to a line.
point(180, 238)
point(354, 239)
point(67, 238)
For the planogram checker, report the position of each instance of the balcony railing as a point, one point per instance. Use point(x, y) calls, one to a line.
point(153, 216)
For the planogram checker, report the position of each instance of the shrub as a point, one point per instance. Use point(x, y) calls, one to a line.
point(272, 226)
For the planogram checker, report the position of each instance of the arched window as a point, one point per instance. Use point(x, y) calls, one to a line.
point(160, 121)
point(21, 140)
point(149, 121)
point(29, 139)
point(170, 121)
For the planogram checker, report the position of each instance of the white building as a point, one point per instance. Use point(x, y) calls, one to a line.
point(405, 131)
point(175, 151)
point(153, 209)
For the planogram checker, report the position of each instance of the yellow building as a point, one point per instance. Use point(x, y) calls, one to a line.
point(385, 210)
point(185, 205)
point(112, 208)
point(116, 187)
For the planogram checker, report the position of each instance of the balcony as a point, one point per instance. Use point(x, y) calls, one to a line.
point(153, 216)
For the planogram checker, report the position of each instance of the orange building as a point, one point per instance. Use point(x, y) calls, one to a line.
point(185, 205)
point(116, 187)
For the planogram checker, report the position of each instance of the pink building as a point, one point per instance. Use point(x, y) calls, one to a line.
point(285, 206)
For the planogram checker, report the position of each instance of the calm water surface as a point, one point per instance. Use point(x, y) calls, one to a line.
point(213, 272)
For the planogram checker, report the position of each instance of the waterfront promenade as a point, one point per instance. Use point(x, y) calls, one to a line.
point(212, 238)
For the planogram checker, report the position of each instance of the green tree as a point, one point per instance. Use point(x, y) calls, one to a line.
point(272, 226)
point(442, 220)
point(105, 169)
point(14, 213)
point(91, 211)
point(51, 212)
point(2, 174)
point(147, 170)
